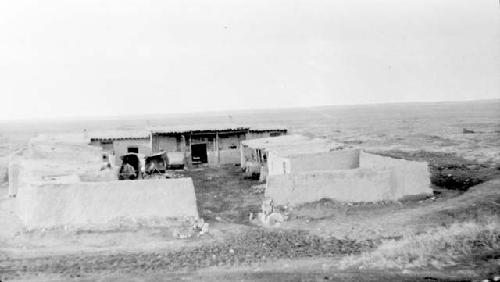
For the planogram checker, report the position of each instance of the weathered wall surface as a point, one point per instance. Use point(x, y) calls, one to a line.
point(176, 158)
point(277, 165)
point(358, 185)
point(166, 143)
point(100, 204)
point(230, 142)
point(335, 160)
point(229, 156)
point(120, 147)
point(411, 177)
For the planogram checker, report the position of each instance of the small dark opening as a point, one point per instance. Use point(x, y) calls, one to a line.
point(199, 153)
point(133, 150)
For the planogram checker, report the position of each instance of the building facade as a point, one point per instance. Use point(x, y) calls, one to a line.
point(212, 145)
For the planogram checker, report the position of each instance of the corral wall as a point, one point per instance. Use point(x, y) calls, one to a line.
point(63, 152)
point(411, 177)
point(357, 185)
point(335, 160)
point(95, 204)
point(277, 165)
point(378, 178)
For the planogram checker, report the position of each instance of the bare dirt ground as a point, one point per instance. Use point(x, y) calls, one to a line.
point(454, 235)
point(322, 231)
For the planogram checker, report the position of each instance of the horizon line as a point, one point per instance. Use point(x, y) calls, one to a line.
point(223, 111)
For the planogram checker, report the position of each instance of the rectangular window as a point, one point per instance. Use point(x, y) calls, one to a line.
point(133, 150)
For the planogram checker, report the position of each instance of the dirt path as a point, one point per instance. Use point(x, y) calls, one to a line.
point(252, 247)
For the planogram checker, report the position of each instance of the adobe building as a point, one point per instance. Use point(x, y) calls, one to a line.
point(212, 145)
point(184, 145)
point(119, 143)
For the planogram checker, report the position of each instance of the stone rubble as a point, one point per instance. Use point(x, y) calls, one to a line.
point(271, 215)
point(199, 227)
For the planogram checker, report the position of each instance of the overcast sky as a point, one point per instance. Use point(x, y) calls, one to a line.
point(61, 58)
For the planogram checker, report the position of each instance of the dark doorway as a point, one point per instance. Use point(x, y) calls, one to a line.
point(199, 153)
point(133, 150)
point(130, 168)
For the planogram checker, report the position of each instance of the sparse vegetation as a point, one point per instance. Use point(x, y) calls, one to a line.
point(437, 248)
point(449, 170)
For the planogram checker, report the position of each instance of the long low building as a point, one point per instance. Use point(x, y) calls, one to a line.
point(200, 144)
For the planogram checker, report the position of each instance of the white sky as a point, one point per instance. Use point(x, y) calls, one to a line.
point(61, 58)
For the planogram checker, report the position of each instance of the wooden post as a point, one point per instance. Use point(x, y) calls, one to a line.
point(217, 147)
point(183, 147)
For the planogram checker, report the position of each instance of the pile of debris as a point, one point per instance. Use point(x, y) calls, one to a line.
point(271, 215)
point(199, 227)
point(258, 189)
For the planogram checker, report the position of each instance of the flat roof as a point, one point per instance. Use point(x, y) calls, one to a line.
point(268, 128)
point(177, 129)
point(118, 134)
point(211, 127)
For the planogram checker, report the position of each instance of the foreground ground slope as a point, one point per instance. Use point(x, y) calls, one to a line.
point(321, 239)
point(453, 235)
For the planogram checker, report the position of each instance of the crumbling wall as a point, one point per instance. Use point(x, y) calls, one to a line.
point(335, 160)
point(101, 204)
point(358, 185)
